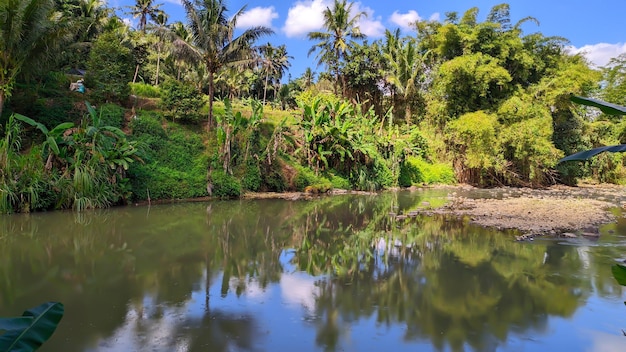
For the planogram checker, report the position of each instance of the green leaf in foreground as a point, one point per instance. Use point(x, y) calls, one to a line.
point(619, 273)
point(32, 329)
point(584, 155)
point(607, 108)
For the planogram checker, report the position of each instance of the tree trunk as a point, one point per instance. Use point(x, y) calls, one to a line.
point(211, 93)
point(407, 112)
point(158, 62)
point(267, 75)
point(2, 96)
point(136, 72)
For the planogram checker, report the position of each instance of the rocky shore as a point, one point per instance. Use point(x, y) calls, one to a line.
point(559, 210)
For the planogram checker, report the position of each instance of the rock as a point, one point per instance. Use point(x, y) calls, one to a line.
point(568, 235)
point(590, 234)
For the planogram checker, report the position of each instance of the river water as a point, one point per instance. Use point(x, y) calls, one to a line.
point(329, 274)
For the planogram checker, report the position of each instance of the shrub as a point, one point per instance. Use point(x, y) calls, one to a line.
point(109, 69)
point(339, 182)
point(225, 185)
point(251, 179)
point(416, 170)
point(145, 90)
point(147, 123)
point(181, 102)
point(112, 115)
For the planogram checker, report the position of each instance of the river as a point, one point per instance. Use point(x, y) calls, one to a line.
point(328, 274)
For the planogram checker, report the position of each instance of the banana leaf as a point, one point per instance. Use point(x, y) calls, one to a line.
point(619, 273)
point(587, 154)
point(607, 108)
point(32, 329)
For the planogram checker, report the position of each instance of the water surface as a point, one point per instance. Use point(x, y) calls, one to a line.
point(330, 274)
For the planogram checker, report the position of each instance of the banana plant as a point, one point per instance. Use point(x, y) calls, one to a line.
point(28, 332)
point(607, 108)
point(54, 137)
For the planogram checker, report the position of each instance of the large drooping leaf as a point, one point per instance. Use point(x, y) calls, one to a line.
point(607, 108)
point(32, 329)
point(619, 273)
point(584, 155)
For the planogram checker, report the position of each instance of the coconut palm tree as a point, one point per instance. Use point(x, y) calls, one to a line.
point(340, 27)
point(145, 9)
point(161, 30)
point(29, 32)
point(405, 69)
point(214, 43)
point(274, 61)
point(308, 77)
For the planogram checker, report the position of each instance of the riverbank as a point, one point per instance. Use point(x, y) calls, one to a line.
point(558, 210)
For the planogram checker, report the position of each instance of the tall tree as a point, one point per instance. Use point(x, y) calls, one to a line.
point(214, 43)
point(340, 27)
point(308, 77)
point(406, 71)
point(274, 61)
point(145, 9)
point(28, 33)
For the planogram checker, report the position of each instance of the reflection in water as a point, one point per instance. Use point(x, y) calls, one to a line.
point(335, 273)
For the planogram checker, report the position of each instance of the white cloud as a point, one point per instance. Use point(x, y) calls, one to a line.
point(599, 54)
point(305, 17)
point(176, 2)
point(369, 25)
point(405, 20)
point(435, 17)
point(257, 16)
point(128, 22)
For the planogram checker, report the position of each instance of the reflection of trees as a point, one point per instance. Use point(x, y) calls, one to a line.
point(104, 266)
point(453, 284)
point(131, 273)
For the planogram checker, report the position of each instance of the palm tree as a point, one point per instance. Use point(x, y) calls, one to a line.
point(308, 77)
point(161, 30)
point(94, 15)
point(340, 26)
point(181, 33)
point(213, 40)
point(274, 61)
point(145, 9)
point(28, 33)
point(406, 69)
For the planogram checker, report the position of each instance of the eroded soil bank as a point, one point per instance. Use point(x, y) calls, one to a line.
point(559, 210)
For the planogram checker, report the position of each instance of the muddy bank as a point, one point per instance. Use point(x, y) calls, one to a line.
point(559, 210)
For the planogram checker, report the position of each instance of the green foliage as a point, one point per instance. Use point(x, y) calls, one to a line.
point(176, 161)
point(145, 90)
point(225, 185)
point(32, 329)
point(109, 69)
point(251, 180)
point(418, 171)
point(147, 124)
point(470, 83)
point(112, 115)
point(339, 182)
point(181, 101)
point(307, 181)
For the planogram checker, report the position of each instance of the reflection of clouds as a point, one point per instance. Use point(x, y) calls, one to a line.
point(299, 290)
point(603, 342)
point(141, 332)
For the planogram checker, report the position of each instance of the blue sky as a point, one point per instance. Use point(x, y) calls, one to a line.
point(594, 27)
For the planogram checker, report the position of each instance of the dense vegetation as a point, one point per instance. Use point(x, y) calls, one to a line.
point(189, 109)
